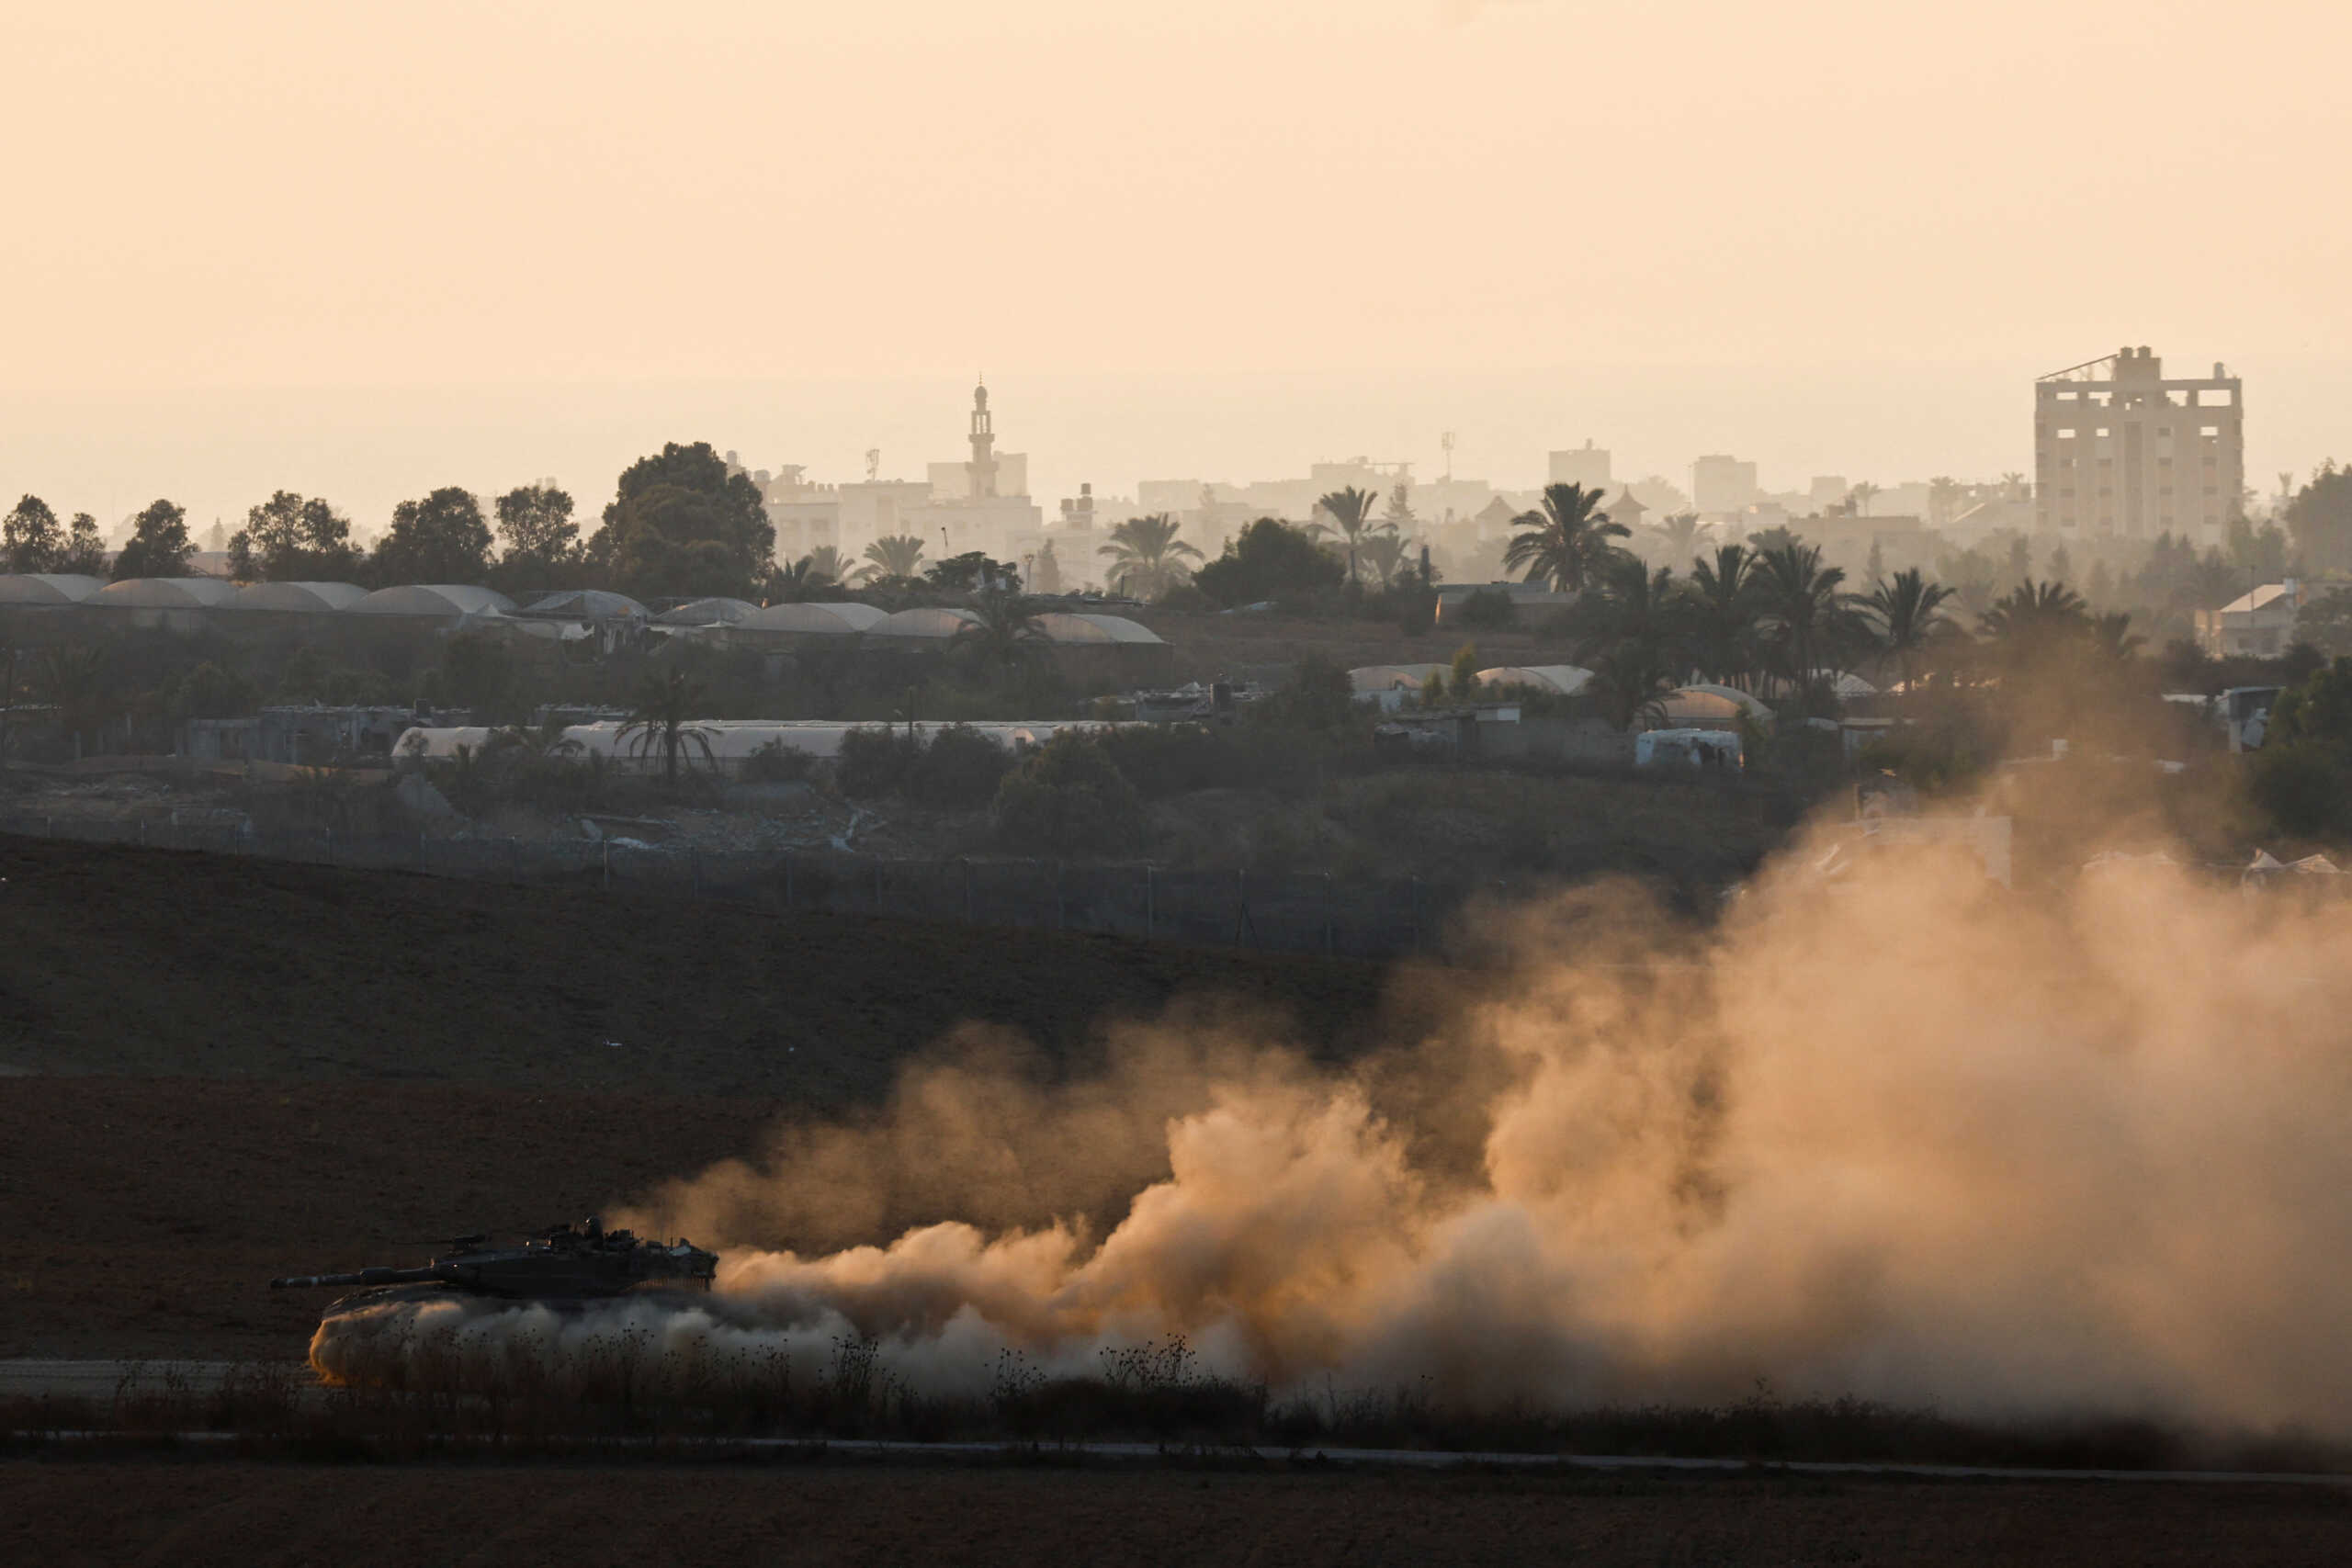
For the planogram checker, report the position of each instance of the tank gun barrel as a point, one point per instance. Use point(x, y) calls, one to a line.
point(363, 1276)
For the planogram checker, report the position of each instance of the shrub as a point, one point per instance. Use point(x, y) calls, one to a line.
point(1269, 560)
point(874, 761)
point(960, 768)
point(776, 764)
point(2300, 785)
point(1320, 697)
point(1485, 609)
point(1068, 796)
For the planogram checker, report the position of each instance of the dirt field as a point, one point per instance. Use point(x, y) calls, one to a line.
point(72, 1512)
point(131, 961)
point(238, 1068)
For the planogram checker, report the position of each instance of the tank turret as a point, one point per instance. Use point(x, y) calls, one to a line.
point(561, 1263)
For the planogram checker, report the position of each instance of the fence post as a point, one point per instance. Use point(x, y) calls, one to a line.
point(787, 881)
point(1150, 914)
point(330, 835)
point(419, 851)
point(606, 845)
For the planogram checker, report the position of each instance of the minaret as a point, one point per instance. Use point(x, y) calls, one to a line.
point(982, 467)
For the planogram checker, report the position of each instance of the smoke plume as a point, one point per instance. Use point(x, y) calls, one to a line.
point(1905, 1136)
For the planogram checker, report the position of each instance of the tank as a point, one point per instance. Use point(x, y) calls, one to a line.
point(561, 1265)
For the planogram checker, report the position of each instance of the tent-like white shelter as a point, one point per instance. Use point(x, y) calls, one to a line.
point(297, 598)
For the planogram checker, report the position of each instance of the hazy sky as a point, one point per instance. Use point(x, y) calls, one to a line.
point(315, 236)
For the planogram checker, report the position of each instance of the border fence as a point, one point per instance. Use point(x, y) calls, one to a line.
point(1279, 912)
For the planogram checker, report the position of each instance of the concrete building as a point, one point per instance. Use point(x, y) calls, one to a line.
point(2118, 449)
point(1587, 465)
point(1722, 485)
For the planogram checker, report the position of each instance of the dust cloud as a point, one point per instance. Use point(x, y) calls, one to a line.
point(1905, 1136)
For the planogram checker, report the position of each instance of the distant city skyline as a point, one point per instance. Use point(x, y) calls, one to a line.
point(365, 449)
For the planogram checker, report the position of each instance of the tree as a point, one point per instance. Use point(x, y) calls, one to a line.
point(1906, 611)
point(2209, 583)
point(1678, 533)
point(1632, 639)
point(1004, 633)
point(827, 566)
point(1349, 510)
point(1722, 614)
point(290, 539)
point(1859, 499)
point(1802, 612)
point(1399, 513)
point(2319, 519)
point(1566, 541)
point(30, 538)
point(2034, 621)
point(158, 546)
point(72, 679)
point(542, 541)
point(443, 538)
point(893, 559)
point(661, 721)
point(1045, 572)
point(1147, 558)
point(681, 523)
point(972, 573)
point(1269, 560)
point(1068, 796)
point(1384, 550)
point(84, 554)
point(799, 582)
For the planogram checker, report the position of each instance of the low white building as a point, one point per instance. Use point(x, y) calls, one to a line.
point(2256, 625)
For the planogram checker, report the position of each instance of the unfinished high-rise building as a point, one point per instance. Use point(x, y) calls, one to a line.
point(2118, 449)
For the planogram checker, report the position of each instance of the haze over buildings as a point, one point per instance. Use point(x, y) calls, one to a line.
point(1807, 237)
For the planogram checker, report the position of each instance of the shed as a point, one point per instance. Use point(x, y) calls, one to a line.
point(810, 619)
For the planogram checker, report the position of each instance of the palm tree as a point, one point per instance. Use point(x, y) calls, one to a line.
point(1802, 612)
point(1384, 551)
point(2034, 619)
point(1861, 496)
point(1350, 508)
point(72, 679)
point(790, 584)
point(2112, 636)
point(827, 565)
point(660, 719)
point(1565, 542)
point(1632, 639)
point(1679, 532)
point(1146, 555)
point(894, 557)
point(1907, 611)
point(1722, 611)
point(1003, 631)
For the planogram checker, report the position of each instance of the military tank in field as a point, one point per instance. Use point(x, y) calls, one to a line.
point(564, 1265)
